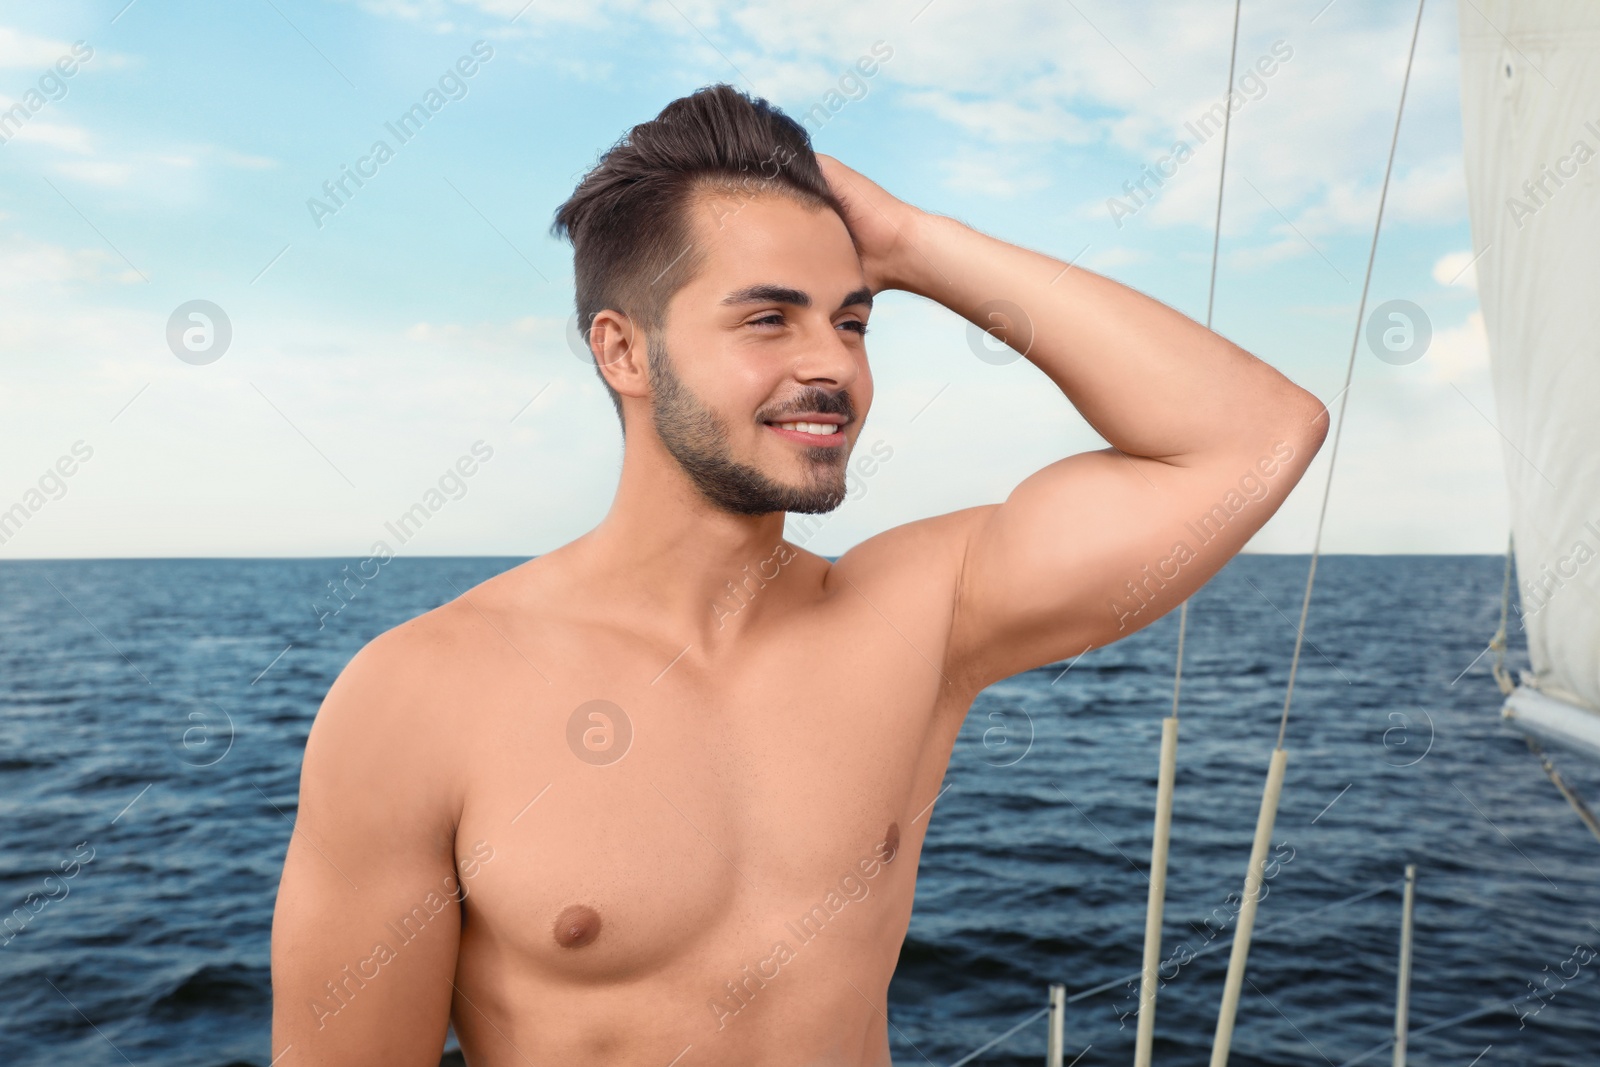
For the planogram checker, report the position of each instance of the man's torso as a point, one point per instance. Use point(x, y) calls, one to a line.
point(710, 849)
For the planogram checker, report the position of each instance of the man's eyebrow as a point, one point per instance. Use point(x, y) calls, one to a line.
point(766, 293)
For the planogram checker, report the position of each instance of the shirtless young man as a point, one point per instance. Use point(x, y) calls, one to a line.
point(657, 796)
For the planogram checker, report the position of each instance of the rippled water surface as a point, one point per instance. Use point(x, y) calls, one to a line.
point(118, 680)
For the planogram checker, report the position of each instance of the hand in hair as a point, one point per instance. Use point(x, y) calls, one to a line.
point(883, 226)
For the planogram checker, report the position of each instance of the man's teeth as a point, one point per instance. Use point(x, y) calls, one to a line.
point(823, 428)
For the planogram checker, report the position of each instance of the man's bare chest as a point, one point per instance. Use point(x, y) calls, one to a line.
point(646, 817)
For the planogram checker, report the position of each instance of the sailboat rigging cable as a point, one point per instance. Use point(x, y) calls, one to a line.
point(1502, 676)
point(1149, 978)
point(1269, 798)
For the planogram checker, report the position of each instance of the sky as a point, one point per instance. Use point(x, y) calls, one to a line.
point(418, 324)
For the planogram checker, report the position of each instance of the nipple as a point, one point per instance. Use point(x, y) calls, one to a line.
point(891, 842)
point(576, 926)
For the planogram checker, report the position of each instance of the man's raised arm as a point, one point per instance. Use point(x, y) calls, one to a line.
point(367, 922)
point(1206, 442)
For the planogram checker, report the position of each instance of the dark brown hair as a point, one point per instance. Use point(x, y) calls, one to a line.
point(628, 219)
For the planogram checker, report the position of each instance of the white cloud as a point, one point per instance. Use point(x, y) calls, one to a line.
point(151, 170)
point(98, 173)
point(1458, 353)
point(1457, 268)
point(116, 169)
point(1106, 259)
point(1007, 121)
point(24, 50)
point(1014, 84)
point(53, 135)
point(26, 264)
point(434, 15)
point(1133, 77)
point(990, 175)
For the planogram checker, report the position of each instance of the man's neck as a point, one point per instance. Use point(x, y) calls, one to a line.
point(679, 562)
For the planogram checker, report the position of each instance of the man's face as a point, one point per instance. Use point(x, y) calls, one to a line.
point(768, 332)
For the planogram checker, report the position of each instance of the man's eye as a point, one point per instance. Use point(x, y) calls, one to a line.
point(774, 319)
point(856, 325)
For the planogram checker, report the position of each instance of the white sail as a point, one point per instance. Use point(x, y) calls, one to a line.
point(1530, 102)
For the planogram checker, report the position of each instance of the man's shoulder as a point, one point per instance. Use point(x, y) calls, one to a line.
point(923, 550)
point(910, 575)
point(405, 674)
point(398, 721)
point(912, 570)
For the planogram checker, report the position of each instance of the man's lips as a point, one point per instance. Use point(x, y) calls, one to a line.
point(823, 440)
point(810, 416)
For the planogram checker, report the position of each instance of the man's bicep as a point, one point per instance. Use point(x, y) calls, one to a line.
point(360, 973)
point(1100, 544)
point(367, 920)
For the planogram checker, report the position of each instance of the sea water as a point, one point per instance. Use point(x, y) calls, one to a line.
point(153, 716)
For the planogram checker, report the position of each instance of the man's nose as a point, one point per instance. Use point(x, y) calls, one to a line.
point(827, 358)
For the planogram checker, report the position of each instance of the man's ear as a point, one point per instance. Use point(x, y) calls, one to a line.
point(622, 352)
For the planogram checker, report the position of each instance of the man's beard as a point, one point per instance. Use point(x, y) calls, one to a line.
point(698, 440)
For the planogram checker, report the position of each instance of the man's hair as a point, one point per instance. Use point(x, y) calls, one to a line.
point(628, 219)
